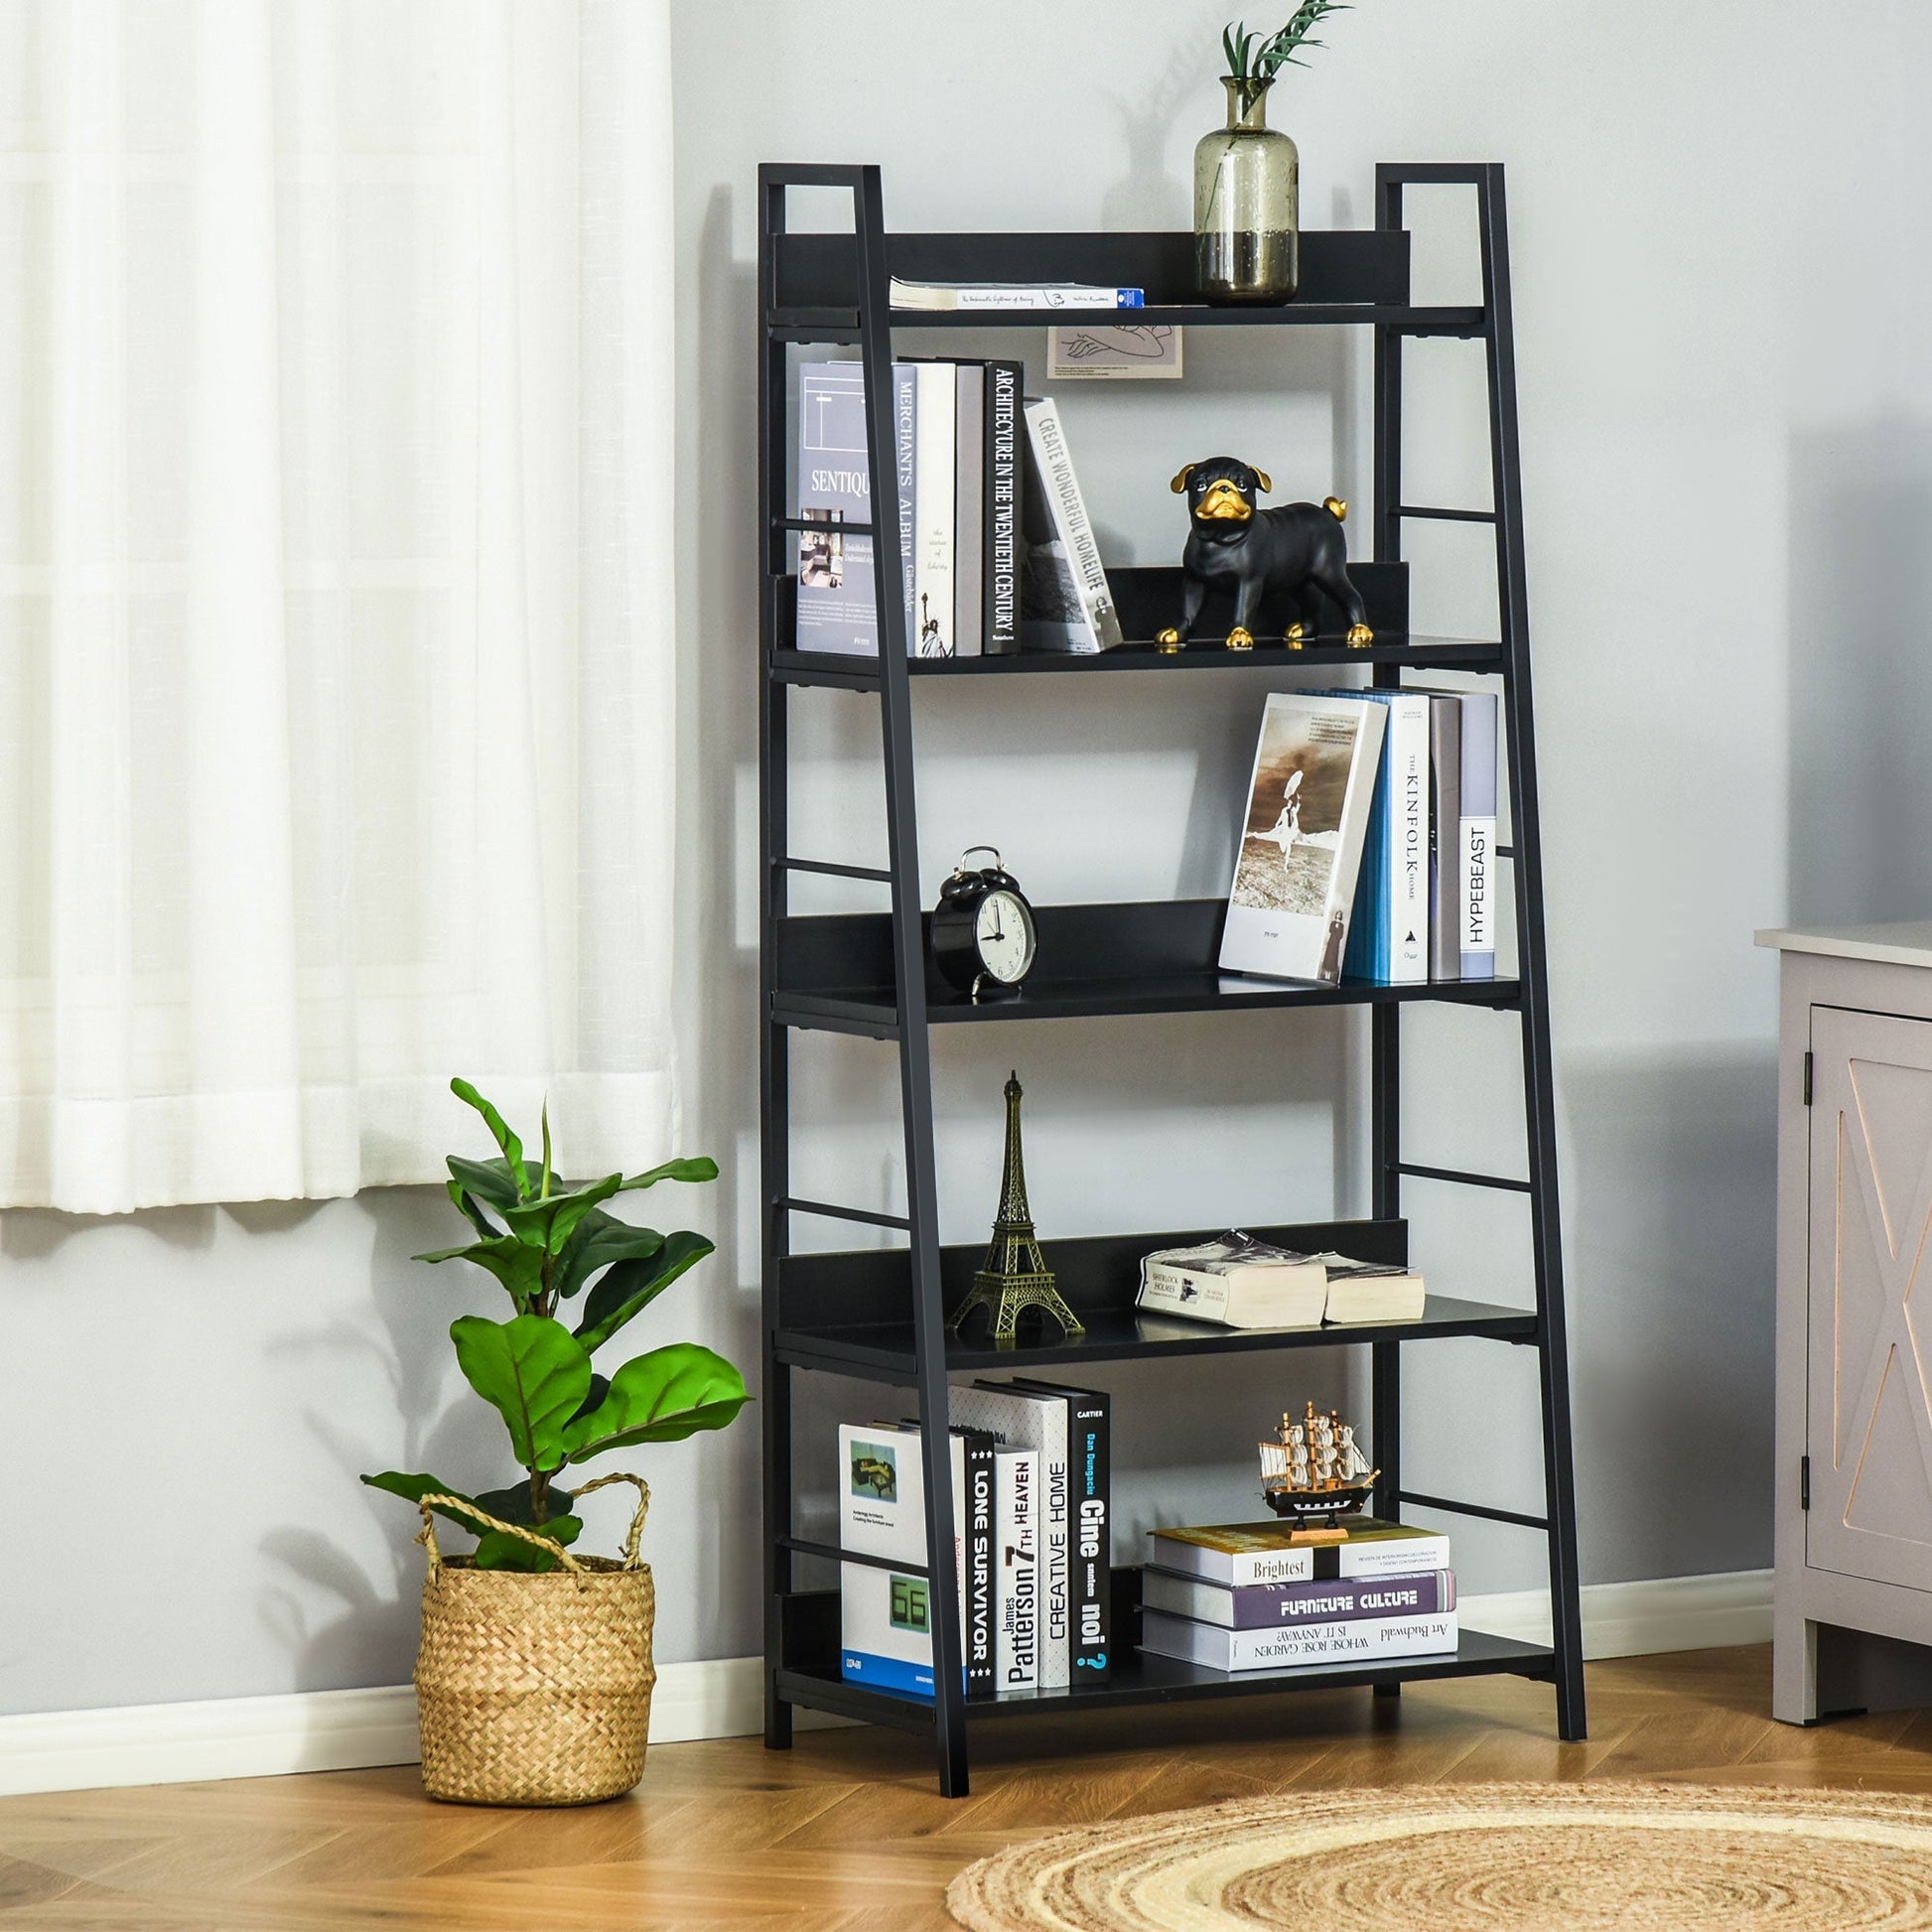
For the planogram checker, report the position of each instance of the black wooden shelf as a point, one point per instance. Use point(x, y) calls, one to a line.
point(834, 973)
point(879, 1314)
point(1142, 1678)
point(817, 667)
point(872, 1011)
point(886, 1349)
point(850, 1312)
point(1349, 278)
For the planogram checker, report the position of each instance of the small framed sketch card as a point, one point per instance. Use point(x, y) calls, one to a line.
point(1302, 838)
point(1104, 353)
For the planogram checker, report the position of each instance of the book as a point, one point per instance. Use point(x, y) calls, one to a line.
point(1003, 465)
point(978, 1632)
point(884, 1616)
point(837, 608)
point(906, 453)
point(1065, 603)
point(941, 296)
point(1479, 785)
point(1267, 1606)
point(936, 433)
point(1036, 1419)
point(1090, 1606)
point(1359, 1639)
point(1301, 844)
point(1237, 1554)
point(1017, 1621)
point(969, 518)
point(1371, 1290)
point(1236, 1280)
point(1445, 835)
point(1388, 934)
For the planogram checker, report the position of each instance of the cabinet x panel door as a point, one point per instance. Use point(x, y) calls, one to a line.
point(1869, 1421)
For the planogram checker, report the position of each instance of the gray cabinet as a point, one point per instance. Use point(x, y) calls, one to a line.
point(1854, 1587)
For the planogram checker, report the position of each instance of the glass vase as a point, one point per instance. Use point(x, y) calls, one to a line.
point(1247, 203)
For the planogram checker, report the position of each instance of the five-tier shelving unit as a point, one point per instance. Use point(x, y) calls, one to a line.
point(880, 1313)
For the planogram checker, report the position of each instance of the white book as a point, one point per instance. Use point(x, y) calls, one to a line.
point(1236, 1280)
point(881, 1513)
point(1347, 1640)
point(1082, 620)
point(1372, 1291)
point(1239, 1555)
point(941, 296)
point(935, 439)
point(1016, 1568)
point(1301, 845)
point(1031, 1418)
point(1479, 788)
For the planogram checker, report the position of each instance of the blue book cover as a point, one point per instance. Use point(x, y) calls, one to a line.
point(837, 605)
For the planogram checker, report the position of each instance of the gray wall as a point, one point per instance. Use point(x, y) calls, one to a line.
point(1728, 464)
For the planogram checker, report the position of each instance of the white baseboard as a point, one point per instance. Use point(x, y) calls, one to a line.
point(346, 1731)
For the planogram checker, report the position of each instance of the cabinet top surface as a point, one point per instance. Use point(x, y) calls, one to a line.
point(1906, 944)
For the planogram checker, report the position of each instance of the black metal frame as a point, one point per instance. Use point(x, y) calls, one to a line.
point(881, 1315)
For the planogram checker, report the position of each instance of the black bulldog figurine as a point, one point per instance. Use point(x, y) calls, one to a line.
point(1292, 549)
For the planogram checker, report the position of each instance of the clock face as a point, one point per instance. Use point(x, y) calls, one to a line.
point(1006, 936)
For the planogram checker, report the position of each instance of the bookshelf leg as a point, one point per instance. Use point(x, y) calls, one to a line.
point(1383, 1691)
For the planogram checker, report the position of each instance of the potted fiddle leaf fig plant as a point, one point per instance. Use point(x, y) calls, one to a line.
point(534, 1674)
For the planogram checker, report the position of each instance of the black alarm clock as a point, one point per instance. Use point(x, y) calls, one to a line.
point(983, 936)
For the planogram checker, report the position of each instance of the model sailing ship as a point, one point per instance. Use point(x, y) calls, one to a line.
point(1312, 1471)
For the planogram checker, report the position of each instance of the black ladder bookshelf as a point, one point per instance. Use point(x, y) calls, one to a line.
point(880, 1314)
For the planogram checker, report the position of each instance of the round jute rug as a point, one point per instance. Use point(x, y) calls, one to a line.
point(1488, 1858)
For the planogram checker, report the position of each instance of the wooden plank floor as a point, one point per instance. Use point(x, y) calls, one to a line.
point(846, 1832)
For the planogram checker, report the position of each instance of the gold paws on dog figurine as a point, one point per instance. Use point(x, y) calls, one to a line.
point(1359, 636)
point(1241, 639)
point(1167, 642)
point(1295, 637)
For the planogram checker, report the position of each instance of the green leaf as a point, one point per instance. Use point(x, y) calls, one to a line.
point(489, 1180)
point(693, 1167)
point(550, 1223)
point(660, 1397)
point(467, 1207)
point(599, 1388)
point(497, 1124)
point(501, 1550)
point(632, 1284)
point(415, 1488)
point(600, 1240)
point(513, 1505)
point(535, 1372)
point(514, 1263)
point(543, 1189)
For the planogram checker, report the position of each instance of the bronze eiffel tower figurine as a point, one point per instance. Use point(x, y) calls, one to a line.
point(1015, 1276)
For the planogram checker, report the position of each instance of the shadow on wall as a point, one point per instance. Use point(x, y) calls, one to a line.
point(1861, 678)
point(340, 1624)
point(1671, 1316)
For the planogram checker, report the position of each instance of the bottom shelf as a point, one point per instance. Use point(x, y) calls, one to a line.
point(1146, 1679)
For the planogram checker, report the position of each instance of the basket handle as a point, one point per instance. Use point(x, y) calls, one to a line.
point(428, 1503)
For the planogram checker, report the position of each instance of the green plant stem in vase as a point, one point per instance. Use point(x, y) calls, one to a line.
point(1247, 175)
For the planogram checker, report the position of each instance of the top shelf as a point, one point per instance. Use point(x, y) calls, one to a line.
point(1349, 278)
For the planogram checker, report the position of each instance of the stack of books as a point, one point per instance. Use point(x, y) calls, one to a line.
point(1246, 1596)
point(1032, 1516)
point(998, 551)
point(1242, 1282)
point(1369, 843)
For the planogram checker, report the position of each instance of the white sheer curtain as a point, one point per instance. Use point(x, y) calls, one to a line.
point(336, 541)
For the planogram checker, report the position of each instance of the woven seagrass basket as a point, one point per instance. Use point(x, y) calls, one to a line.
point(535, 1690)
